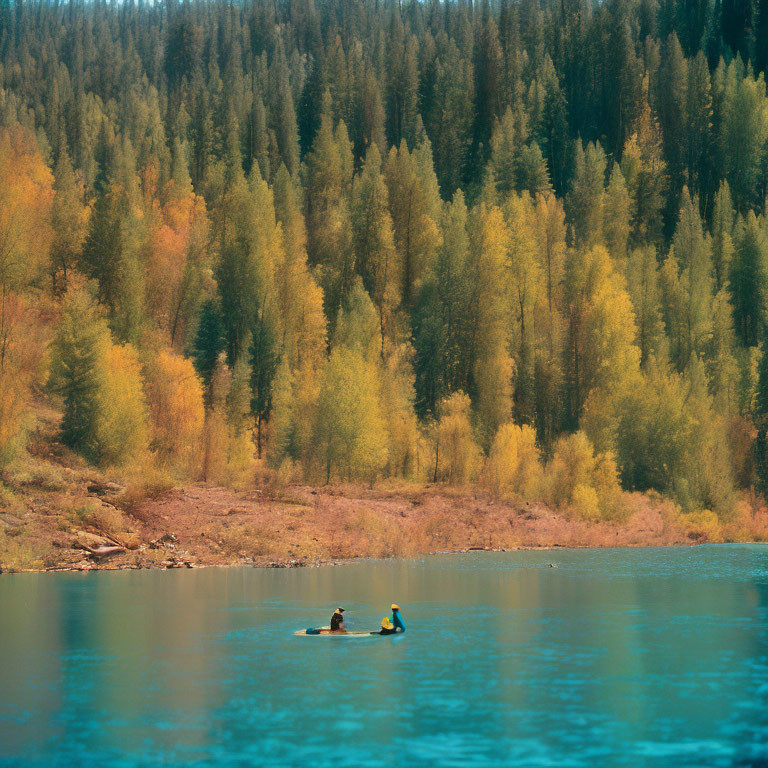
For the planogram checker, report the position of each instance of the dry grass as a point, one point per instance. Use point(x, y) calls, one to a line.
point(243, 540)
point(15, 553)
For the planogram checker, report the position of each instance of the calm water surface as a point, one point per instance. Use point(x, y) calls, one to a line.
point(653, 657)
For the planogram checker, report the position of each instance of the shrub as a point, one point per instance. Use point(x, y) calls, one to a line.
point(513, 464)
point(702, 526)
point(585, 503)
point(575, 465)
point(572, 463)
point(457, 455)
point(105, 518)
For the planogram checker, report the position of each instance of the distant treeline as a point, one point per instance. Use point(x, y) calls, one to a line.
point(520, 243)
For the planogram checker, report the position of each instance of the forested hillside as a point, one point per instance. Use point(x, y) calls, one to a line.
point(522, 244)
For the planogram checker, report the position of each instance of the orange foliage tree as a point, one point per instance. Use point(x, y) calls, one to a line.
point(26, 196)
point(175, 399)
point(178, 264)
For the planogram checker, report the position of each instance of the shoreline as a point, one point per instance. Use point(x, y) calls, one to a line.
point(98, 526)
point(288, 564)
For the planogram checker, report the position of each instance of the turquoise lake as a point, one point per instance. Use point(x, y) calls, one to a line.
point(633, 657)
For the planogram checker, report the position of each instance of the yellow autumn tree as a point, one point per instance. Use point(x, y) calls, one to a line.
point(514, 465)
point(294, 415)
point(493, 367)
point(26, 198)
point(299, 297)
point(525, 284)
point(121, 424)
point(601, 344)
point(583, 481)
point(178, 264)
point(350, 437)
point(215, 437)
point(177, 414)
point(456, 453)
point(24, 363)
point(397, 403)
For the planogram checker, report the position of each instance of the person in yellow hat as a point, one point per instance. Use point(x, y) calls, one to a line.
point(397, 620)
point(387, 627)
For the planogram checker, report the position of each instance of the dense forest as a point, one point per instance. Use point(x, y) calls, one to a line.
point(521, 243)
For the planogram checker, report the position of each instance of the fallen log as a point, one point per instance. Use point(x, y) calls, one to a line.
point(97, 553)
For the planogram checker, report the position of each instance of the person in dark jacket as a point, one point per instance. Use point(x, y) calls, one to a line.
point(337, 621)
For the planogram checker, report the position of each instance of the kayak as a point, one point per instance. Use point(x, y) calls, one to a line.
point(327, 632)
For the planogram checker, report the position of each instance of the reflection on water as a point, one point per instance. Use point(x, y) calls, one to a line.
point(616, 657)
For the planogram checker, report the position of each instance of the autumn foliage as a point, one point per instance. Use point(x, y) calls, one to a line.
point(427, 248)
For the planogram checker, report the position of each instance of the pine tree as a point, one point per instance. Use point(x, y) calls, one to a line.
point(79, 362)
point(402, 86)
point(414, 205)
point(722, 235)
point(282, 112)
point(69, 222)
point(108, 258)
point(672, 88)
point(554, 129)
point(442, 329)
point(743, 133)
point(645, 173)
point(698, 110)
point(264, 358)
point(616, 215)
point(327, 180)
point(208, 343)
point(505, 146)
point(310, 106)
point(488, 72)
point(373, 243)
point(642, 284)
point(587, 195)
point(692, 251)
point(748, 279)
point(250, 247)
point(721, 364)
point(531, 171)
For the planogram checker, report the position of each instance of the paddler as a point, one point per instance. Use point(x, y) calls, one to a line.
point(397, 620)
point(337, 621)
point(387, 627)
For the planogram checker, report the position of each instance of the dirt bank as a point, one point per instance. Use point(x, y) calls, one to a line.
point(59, 513)
point(91, 523)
